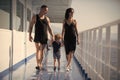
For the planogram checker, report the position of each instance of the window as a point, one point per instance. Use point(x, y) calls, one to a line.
point(5, 14)
point(28, 15)
point(19, 17)
point(28, 18)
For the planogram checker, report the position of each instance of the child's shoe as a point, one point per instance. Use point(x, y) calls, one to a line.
point(54, 68)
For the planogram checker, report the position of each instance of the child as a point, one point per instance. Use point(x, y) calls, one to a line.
point(56, 50)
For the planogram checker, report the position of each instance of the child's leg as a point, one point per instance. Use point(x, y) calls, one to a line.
point(54, 64)
point(58, 64)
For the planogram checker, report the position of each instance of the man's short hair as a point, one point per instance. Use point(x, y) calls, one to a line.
point(44, 6)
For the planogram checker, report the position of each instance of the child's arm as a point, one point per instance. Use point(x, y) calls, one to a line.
point(61, 44)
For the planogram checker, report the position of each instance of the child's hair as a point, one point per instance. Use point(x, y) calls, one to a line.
point(57, 37)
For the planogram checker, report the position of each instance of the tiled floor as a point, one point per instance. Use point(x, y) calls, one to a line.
point(28, 72)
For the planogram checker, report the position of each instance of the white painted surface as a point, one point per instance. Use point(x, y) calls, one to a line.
point(18, 47)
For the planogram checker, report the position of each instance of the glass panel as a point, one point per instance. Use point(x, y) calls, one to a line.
point(5, 14)
point(113, 75)
point(114, 35)
point(103, 70)
point(19, 17)
point(28, 19)
point(28, 15)
point(104, 54)
point(114, 57)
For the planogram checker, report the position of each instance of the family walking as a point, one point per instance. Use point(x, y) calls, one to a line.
point(68, 38)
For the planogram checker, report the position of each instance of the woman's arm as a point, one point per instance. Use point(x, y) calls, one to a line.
point(76, 30)
point(63, 30)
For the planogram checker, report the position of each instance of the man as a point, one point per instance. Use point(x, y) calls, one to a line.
point(42, 24)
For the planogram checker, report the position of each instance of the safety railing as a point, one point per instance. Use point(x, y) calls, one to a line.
point(99, 52)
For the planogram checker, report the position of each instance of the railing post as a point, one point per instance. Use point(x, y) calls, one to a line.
point(119, 51)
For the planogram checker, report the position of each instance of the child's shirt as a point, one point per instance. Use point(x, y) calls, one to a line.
point(56, 46)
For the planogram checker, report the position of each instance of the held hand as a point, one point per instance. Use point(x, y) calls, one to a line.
point(62, 44)
point(53, 38)
point(30, 38)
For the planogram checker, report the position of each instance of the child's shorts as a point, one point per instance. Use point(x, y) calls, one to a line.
point(56, 55)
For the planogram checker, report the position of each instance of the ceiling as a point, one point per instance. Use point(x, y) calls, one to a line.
point(56, 8)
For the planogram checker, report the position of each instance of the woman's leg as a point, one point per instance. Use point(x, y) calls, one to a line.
point(69, 58)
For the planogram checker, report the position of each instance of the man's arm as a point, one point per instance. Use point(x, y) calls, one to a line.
point(49, 28)
point(32, 22)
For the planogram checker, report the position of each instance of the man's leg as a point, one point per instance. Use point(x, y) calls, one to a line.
point(37, 45)
point(42, 47)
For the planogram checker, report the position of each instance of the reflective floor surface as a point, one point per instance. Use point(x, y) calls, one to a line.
point(28, 72)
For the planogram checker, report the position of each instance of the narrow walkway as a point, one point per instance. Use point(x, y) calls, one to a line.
point(28, 71)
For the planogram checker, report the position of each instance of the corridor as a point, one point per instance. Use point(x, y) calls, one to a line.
point(97, 57)
point(27, 71)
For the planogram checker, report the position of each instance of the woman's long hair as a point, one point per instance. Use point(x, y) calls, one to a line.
point(67, 12)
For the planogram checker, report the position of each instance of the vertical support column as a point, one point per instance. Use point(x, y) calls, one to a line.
point(12, 25)
point(81, 48)
point(25, 29)
point(100, 51)
point(108, 44)
point(119, 51)
point(107, 77)
point(94, 50)
point(11, 47)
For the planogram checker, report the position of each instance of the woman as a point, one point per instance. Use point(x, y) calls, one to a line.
point(70, 35)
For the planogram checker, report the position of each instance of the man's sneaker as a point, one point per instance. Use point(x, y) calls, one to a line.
point(37, 67)
point(54, 68)
point(58, 68)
